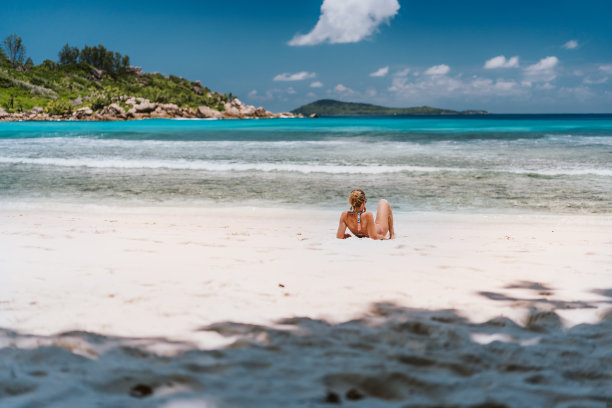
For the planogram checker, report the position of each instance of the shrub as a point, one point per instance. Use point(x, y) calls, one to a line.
point(59, 107)
point(99, 102)
point(52, 65)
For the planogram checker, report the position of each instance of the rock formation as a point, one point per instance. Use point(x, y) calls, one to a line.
point(127, 108)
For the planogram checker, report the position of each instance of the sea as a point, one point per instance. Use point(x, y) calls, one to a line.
point(490, 163)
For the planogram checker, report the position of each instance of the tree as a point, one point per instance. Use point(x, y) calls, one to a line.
point(68, 55)
point(101, 58)
point(14, 49)
point(125, 63)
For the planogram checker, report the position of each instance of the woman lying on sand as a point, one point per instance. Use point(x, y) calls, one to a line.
point(361, 222)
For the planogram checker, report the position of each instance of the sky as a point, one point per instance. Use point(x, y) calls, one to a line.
point(515, 56)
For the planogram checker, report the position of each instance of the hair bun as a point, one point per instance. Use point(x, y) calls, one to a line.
point(356, 198)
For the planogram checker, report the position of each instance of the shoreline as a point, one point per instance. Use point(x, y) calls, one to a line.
point(74, 119)
point(194, 206)
point(126, 108)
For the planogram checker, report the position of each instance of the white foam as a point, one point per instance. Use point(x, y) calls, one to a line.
point(223, 166)
point(562, 172)
point(304, 167)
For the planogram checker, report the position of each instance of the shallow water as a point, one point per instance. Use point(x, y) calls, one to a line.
point(550, 163)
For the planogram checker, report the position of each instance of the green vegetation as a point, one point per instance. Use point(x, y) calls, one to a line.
point(330, 107)
point(59, 107)
point(94, 77)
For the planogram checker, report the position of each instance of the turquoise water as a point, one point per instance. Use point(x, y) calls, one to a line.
point(560, 163)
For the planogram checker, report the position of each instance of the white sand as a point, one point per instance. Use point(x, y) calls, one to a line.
point(166, 273)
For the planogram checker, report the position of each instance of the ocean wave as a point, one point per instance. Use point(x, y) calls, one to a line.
point(561, 172)
point(303, 167)
point(223, 166)
point(97, 142)
point(580, 140)
point(378, 142)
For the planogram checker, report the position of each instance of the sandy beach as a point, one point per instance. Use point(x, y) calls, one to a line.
point(168, 241)
point(160, 306)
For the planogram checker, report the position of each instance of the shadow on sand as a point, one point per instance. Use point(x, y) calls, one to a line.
point(391, 357)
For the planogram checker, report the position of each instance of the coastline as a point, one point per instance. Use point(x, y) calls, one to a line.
point(135, 108)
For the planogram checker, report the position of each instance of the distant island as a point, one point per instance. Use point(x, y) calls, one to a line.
point(94, 83)
point(330, 107)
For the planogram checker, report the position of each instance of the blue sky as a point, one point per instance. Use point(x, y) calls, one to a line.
point(503, 56)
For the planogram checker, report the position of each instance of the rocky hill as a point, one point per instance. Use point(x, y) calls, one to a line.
point(79, 91)
point(330, 107)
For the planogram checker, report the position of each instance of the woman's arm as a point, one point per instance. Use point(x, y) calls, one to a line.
point(341, 234)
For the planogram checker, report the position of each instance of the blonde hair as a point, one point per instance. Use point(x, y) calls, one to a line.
point(356, 198)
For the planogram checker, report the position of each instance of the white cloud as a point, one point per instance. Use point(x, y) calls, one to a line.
point(426, 85)
point(402, 73)
point(543, 64)
point(269, 95)
point(571, 45)
point(489, 87)
point(316, 84)
point(442, 86)
point(581, 93)
point(501, 62)
point(606, 68)
point(542, 71)
point(371, 92)
point(590, 81)
point(298, 76)
point(441, 69)
point(276, 94)
point(381, 72)
point(343, 89)
point(547, 86)
point(502, 85)
point(348, 21)
point(311, 94)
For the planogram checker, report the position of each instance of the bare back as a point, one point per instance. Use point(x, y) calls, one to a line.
point(368, 227)
point(351, 218)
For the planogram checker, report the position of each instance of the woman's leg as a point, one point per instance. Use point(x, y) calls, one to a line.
point(384, 217)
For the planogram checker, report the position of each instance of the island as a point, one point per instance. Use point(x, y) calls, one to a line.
point(94, 83)
point(331, 107)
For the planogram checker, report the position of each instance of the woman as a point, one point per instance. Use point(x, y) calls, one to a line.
point(361, 222)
